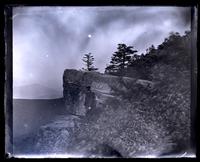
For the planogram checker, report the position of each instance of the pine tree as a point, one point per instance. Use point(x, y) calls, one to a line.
point(120, 59)
point(88, 59)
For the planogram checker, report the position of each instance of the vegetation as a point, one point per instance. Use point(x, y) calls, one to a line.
point(174, 50)
point(120, 59)
point(168, 104)
point(88, 59)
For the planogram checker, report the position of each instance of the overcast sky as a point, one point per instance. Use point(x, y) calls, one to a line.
point(47, 40)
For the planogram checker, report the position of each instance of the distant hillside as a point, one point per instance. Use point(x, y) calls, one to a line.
point(36, 91)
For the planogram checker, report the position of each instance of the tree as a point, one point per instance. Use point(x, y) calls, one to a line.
point(120, 59)
point(88, 59)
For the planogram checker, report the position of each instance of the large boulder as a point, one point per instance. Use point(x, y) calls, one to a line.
point(75, 85)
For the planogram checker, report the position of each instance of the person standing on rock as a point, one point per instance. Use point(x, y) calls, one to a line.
point(90, 99)
point(71, 95)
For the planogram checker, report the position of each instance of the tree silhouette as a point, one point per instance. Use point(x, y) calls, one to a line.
point(88, 59)
point(120, 59)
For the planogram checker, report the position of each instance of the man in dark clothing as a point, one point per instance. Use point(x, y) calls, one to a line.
point(71, 96)
point(74, 90)
point(90, 100)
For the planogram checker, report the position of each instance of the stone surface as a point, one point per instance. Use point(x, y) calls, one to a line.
point(75, 85)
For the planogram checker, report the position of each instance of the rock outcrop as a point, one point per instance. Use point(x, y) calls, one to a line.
point(75, 84)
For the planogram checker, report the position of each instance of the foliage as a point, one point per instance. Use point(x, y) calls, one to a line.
point(168, 104)
point(88, 59)
point(120, 59)
point(173, 51)
point(121, 127)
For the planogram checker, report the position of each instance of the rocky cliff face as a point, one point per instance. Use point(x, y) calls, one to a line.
point(76, 83)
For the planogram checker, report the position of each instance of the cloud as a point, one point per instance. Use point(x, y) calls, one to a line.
point(62, 34)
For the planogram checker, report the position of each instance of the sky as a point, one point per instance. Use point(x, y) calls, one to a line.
point(47, 40)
